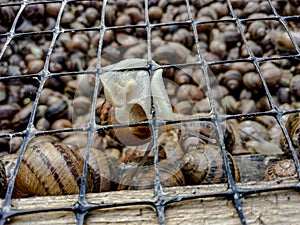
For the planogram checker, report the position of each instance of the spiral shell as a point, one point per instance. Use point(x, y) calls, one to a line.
point(293, 129)
point(105, 174)
point(205, 165)
point(204, 130)
point(257, 30)
point(128, 136)
point(144, 177)
point(50, 169)
point(295, 86)
point(231, 79)
point(281, 169)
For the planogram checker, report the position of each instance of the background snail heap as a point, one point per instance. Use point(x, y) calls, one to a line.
point(70, 94)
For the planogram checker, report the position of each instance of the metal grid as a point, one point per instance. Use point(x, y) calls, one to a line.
point(160, 200)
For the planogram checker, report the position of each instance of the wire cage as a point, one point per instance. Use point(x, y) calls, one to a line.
point(142, 88)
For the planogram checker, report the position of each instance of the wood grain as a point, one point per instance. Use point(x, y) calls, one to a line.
point(277, 207)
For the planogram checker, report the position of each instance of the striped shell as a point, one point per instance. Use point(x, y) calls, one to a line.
point(293, 129)
point(105, 175)
point(50, 169)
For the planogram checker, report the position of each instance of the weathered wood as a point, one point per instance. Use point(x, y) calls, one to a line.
point(278, 207)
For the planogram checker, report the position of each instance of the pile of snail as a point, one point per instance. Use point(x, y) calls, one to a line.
point(189, 152)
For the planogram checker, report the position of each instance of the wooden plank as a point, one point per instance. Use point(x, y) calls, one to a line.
point(278, 207)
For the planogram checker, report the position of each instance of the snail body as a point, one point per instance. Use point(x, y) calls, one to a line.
point(128, 99)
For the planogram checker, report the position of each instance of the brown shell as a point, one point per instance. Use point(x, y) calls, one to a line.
point(205, 130)
point(144, 177)
point(104, 167)
point(293, 129)
point(205, 165)
point(281, 169)
point(131, 136)
point(50, 169)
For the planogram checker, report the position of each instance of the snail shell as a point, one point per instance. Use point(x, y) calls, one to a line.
point(104, 167)
point(136, 135)
point(144, 177)
point(281, 169)
point(50, 169)
point(257, 30)
point(294, 86)
point(205, 165)
point(292, 126)
point(3, 180)
point(231, 79)
point(204, 130)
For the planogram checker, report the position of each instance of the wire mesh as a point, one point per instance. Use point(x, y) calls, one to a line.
point(20, 32)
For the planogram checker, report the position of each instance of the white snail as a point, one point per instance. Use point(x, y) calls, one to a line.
point(128, 83)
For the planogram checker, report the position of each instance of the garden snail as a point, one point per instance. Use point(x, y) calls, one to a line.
point(281, 169)
point(105, 174)
point(56, 169)
point(292, 126)
point(50, 169)
point(204, 164)
point(129, 94)
point(144, 177)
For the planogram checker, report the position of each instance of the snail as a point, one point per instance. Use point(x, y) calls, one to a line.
point(105, 175)
point(50, 169)
point(281, 169)
point(294, 86)
point(204, 164)
point(144, 177)
point(257, 30)
point(292, 126)
point(56, 169)
point(283, 41)
point(129, 92)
